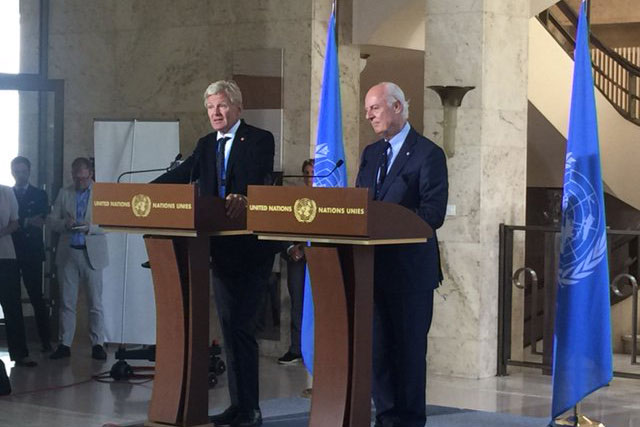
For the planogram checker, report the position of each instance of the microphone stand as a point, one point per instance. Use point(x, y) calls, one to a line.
point(141, 171)
point(175, 163)
point(338, 164)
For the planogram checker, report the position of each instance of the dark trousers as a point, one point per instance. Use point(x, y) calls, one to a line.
point(295, 284)
point(31, 271)
point(239, 296)
point(400, 326)
point(12, 308)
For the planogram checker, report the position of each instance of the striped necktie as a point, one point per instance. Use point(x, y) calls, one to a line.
point(221, 166)
point(383, 165)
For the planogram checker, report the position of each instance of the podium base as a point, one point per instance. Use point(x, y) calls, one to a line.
point(581, 421)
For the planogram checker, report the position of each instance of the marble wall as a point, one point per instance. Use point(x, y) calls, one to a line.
point(153, 60)
point(481, 44)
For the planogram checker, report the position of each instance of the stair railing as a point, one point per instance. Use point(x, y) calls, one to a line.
point(616, 72)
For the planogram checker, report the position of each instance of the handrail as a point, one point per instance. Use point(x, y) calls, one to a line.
point(618, 79)
point(511, 278)
point(571, 15)
point(534, 301)
point(634, 310)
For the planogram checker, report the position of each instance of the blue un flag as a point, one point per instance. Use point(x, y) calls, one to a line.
point(582, 361)
point(329, 150)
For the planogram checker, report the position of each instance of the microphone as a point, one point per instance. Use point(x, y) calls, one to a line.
point(338, 164)
point(172, 165)
point(176, 162)
point(195, 164)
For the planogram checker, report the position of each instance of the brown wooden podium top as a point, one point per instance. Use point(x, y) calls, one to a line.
point(331, 215)
point(165, 209)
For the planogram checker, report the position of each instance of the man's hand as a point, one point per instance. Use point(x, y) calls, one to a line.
point(235, 205)
point(69, 222)
point(296, 252)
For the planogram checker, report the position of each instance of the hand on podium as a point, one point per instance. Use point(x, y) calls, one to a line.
point(235, 205)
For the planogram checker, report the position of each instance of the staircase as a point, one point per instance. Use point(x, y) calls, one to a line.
point(617, 101)
point(617, 78)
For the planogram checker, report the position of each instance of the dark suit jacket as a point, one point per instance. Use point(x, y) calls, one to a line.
point(250, 163)
point(28, 240)
point(418, 181)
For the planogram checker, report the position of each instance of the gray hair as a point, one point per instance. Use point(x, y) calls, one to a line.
point(228, 87)
point(393, 93)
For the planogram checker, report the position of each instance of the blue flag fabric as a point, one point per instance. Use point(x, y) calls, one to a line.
point(582, 361)
point(329, 150)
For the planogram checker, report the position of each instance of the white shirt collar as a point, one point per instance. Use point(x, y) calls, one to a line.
point(397, 140)
point(232, 132)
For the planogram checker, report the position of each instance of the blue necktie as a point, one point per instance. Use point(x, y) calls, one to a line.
point(383, 165)
point(220, 163)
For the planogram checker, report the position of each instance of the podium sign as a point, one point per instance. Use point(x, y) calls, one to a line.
point(304, 210)
point(343, 213)
point(165, 207)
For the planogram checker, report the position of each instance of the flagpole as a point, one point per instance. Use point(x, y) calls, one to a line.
point(334, 11)
point(587, 4)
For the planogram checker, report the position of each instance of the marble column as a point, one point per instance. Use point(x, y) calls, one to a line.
point(481, 44)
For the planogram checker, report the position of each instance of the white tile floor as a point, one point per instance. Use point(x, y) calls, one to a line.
point(40, 398)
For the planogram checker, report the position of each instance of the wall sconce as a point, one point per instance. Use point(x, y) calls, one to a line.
point(451, 97)
point(363, 61)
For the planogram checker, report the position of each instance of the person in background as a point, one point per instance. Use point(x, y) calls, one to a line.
point(33, 207)
point(296, 265)
point(10, 281)
point(80, 258)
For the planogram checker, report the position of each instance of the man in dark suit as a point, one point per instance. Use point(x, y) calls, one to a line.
point(33, 207)
point(225, 162)
point(405, 168)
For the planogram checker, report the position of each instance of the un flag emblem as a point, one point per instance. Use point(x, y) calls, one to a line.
point(583, 244)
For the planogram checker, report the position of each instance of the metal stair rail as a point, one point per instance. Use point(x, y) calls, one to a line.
point(512, 279)
point(616, 72)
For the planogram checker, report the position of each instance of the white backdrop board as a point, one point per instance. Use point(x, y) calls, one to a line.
point(127, 296)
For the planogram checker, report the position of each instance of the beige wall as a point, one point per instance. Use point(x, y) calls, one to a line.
point(153, 60)
point(545, 151)
point(611, 11)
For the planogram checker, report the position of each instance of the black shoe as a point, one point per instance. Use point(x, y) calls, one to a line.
point(46, 347)
point(26, 362)
point(61, 352)
point(98, 353)
point(248, 419)
point(290, 359)
point(225, 418)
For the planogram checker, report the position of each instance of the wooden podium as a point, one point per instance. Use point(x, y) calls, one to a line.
point(177, 224)
point(342, 225)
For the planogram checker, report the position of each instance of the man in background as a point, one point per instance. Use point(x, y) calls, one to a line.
point(80, 258)
point(33, 207)
point(296, 264)
point(10, 281)
point(405, 168)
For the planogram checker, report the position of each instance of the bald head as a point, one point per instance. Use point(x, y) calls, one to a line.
point(386, 109)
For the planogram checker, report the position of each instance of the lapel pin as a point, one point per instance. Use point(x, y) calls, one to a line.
point(242, 139)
